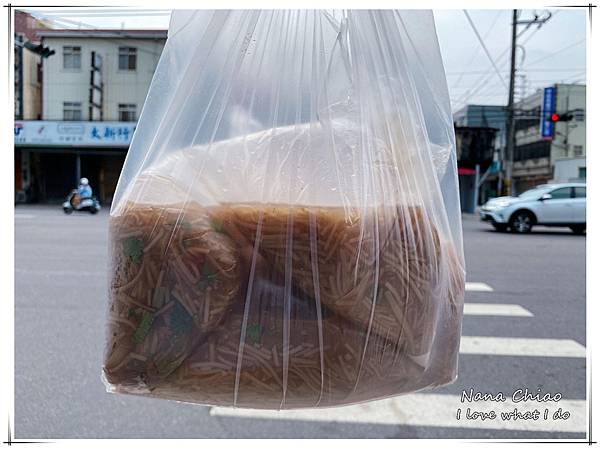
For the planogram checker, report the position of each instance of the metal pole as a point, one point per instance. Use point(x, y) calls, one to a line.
point(77, 168)
point(476, 189)
point(19, 77)
point(566, 123)
point(510, 112)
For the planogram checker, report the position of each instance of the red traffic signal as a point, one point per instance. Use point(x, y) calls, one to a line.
point(554, 117)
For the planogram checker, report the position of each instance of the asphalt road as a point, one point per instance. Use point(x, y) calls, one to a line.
point(528, 293)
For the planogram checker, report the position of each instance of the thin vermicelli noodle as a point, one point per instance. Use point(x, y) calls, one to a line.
point(286, 229)
point(177, 303)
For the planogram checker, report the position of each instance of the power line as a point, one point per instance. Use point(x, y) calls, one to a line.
point(479, 72)
point(92, 12)
point(497, 88)
point(91, 27)
point(484, 36)
point(115, 14)
point(556, 52)
point(530, 36)
point(483, 80)
point(577, 75)
point(505, 175)
point(484, 46)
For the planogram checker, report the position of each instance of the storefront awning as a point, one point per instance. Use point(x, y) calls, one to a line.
point(46, 133)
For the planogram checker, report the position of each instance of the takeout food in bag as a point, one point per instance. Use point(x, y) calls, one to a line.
point(288, 235)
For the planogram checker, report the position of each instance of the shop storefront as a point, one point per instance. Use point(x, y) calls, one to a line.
point(51, 157)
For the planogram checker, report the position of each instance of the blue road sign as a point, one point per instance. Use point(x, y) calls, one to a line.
point(548, 108)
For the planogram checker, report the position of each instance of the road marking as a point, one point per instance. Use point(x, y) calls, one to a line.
point(437, 410)
point(472, 308)
point(24, 216)
point(533, 347)
point(71, 273)
point(478, 287)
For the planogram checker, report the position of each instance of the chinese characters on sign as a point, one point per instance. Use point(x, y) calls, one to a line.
point(110, 133)
point(79, 134)
point(548, 105)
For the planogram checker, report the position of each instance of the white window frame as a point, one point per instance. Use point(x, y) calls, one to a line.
point(127, 53)
point(74, 53)
point(72, 111)
point(127, 108)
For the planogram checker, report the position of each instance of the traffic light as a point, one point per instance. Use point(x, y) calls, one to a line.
point(566, 117)
point(39, 49)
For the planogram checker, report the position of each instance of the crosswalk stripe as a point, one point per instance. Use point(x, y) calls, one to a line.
point(472, 308)
point(512, 346)
point(438, 410)
point(478, 287)
point(60, 273)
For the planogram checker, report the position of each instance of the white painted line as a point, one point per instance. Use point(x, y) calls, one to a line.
point(472, 308)
point(437, 410)
point(478, 287)
point(24, 216)
point(69, 273)
point(532, 347)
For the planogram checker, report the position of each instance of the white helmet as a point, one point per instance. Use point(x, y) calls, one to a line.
point(84, 181)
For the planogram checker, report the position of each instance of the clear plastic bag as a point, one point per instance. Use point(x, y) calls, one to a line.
point(286, 229)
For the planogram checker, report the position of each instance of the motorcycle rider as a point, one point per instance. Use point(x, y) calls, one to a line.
point(84, 190)
point(75, 200)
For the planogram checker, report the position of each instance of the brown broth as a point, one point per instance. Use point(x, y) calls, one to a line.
point(337, 305)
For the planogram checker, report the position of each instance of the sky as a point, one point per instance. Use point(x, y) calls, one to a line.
point(541, 60)
point(554, 52)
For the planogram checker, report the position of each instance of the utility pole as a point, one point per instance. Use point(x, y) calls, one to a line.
point(510, 107)
point(510, 110)
point(567, 123)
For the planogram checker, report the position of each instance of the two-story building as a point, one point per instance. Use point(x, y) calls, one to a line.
point(480, 136)
point(27, 66)
point(475, 159)
point(538, 154)
point(92, 92)
point(28, 85)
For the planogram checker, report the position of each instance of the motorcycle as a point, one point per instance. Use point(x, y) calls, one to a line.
point(75, 203)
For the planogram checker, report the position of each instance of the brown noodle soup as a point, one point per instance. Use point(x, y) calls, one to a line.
point(277, 306)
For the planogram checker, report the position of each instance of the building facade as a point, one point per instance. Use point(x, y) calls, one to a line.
point(537, 157)
point(92, 91)
point(480, 135)
point(570, 169)
point(485, 116)
point(126, 59)
point(27, 79)
point(27, 67)
point(475, 159)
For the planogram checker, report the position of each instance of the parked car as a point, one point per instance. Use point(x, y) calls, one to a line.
point(546, 205)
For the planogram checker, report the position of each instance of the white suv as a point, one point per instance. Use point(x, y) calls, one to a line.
point(547, 205)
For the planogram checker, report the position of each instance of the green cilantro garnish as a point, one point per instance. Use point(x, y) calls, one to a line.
point(180, 320)
point(209, 276)
point(144, 327)
point(134, 249)
point(217, 226)
point(253, 333)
